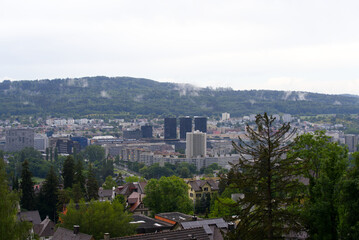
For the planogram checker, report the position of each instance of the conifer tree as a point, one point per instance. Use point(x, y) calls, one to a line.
point(79, 176)
point(56, 155)
point(49, 196)
point(92, 185)
point(27, 200)
point(268, 179)
point(68, 172)
point(47, 154)
point(51, 155)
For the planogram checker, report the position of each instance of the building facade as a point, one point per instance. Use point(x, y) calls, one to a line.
point(19, 138)
point(200, 124)
point(170, 128)
point(196, 144)
point(185, 126)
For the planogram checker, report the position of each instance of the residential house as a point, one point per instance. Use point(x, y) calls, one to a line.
point(198, 188)
point(149, 225)
point(213, 227)
point(63, 233)
point(183, 234)
point(45, 230)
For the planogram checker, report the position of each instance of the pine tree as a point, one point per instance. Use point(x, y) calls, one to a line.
point(51, 155)
point(27, 200)
point(268, 179)
point(47, 154)
point(56, 155)
point(68, 172)
point(92, 185)
point(79, 176)
point(49, 195)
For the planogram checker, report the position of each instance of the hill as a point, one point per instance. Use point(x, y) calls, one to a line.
point(128, 97)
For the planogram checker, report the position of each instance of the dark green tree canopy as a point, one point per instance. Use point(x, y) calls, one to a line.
point(48, 198)
point(268, 179)
point(10, 228)
point(168, 194)
point(97, 218)
point(27, 200)
point(68, 172)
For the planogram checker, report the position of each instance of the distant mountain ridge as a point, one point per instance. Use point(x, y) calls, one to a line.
point(128, 97)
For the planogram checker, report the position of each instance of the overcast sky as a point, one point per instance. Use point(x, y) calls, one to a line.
point(283, 45)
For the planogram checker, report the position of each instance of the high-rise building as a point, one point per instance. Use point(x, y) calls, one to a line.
point(200, 124)
point(226, 116)
point(196, 144)
point(132, 134)
point(170, 128)
point(351, 141)
point(19, 138)
point(146, 131)
point(185, 126)
point(41, 142)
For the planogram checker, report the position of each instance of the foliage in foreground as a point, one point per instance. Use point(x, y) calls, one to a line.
point(168, 194)
point(10, 228)
point(96, 218)
point(268, 180)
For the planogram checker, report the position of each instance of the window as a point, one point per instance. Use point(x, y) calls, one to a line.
point(198, 195)
point(191, 194)
point(206, 189)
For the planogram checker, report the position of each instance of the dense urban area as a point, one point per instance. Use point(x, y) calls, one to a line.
point(181, 178)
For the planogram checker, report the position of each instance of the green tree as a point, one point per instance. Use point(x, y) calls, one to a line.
point(68, 172)
point(56, 155)
point(168, 194)
point(51, 154)
point(47, 154)
point(79, 176)
point(10, 228)
point(349, 199)
point(326, 163)
point(109, 183)
point(132, 179)
point(49, 196)
point(92, 185)
point(27, 200)
point(97, 218)
point(76, 193)
point(94, 153)
point(268, 180)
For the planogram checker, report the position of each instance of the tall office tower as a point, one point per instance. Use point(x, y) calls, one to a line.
point(196, 144)
point(170, 128)
point(146, 131)
point(17, 139)
point(351, 141)
point(225, 116)
point(200, 124)
point(185, 126)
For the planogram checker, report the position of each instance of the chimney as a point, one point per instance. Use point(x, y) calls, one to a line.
point(194, 218)
point(106, 236)
point(231, 226)
point(76, 229)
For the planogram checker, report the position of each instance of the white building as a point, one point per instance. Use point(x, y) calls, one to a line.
point(225, 116)
point(41, 142)
point(196, 144)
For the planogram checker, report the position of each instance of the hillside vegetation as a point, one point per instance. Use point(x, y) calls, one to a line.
point(128, 97)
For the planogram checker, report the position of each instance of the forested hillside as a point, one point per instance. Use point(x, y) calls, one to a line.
point(129, 97)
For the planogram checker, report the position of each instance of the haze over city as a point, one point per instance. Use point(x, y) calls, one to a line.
point(280, 45)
